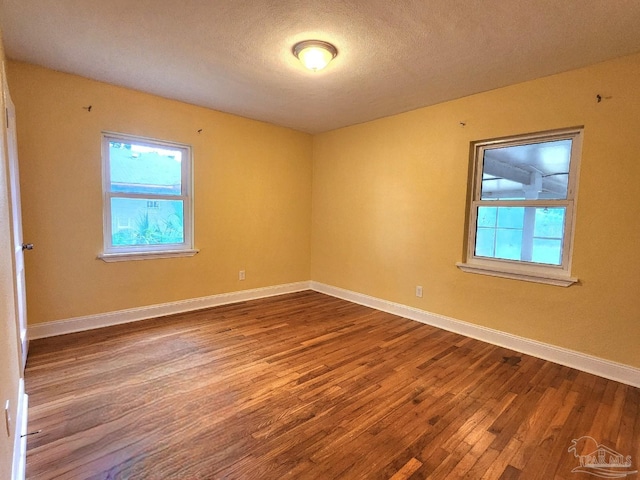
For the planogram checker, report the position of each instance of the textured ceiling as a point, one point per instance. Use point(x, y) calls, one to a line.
point(394, 56)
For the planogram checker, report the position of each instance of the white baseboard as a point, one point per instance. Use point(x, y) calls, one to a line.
point(570, 358)
point(18, 470)
point(89, 322)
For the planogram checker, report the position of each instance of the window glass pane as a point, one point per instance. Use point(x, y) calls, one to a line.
point(510, 237)
point(549, 222)
point(508, 244)
point(487, 216)
point(532, 171)
point(510, 217)
point(485, 242)
point(137, 221)
point(547, 251)
point(142, 169)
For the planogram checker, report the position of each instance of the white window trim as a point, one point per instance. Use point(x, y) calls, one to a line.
point(540, 273)
point(145, 252)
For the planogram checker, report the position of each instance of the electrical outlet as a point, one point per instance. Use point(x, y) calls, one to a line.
point(7, 418)
point(241, 275)
point(419, 291)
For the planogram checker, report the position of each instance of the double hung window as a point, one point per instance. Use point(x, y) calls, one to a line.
point(147, 198)
point(522, 207)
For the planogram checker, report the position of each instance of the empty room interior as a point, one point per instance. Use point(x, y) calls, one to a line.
point(320, 240)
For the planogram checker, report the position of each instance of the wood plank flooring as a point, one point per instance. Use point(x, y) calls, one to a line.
point(306, 386)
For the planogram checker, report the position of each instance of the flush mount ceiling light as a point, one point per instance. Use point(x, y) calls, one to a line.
point(315, 54)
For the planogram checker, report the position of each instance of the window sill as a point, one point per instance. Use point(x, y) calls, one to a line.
point(549, 279)
point(129, 256)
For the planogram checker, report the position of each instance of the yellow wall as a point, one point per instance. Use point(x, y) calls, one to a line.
point(252, 197)
point(389, 204)
point(376, 208)
point(9, 368)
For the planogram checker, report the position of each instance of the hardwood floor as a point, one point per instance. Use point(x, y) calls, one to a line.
point(306, 386)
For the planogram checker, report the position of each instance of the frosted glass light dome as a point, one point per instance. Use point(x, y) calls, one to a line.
point(314, 54)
